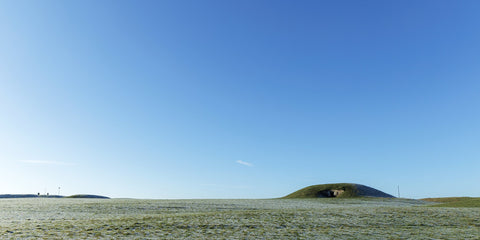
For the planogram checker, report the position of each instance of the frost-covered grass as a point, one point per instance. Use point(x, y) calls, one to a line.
point(234, 219)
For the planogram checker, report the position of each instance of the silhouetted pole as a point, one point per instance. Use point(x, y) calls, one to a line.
point(398, 189)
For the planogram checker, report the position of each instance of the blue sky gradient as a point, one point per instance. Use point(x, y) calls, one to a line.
point(239, 99)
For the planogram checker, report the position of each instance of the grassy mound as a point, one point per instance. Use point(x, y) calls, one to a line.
point(50, 196)
point(340, 190)
point(18, 195)
point(454, 202)
point(87, 196)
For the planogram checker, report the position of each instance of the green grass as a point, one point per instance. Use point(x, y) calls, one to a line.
point(458, 202)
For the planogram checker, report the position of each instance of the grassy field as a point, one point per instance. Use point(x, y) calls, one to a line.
point(358, 218)
point(455, 202)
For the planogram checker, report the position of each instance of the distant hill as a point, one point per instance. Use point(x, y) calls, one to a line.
point(50, 196)
point(18, 195)
point(340, 190)
point(87, 196)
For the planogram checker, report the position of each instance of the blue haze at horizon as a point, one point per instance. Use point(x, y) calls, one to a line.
point(160, 99)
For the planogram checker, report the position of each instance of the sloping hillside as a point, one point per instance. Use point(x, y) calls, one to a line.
point(341, 190)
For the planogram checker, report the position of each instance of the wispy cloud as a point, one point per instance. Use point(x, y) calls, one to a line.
point(44, 162)
point(244, 163)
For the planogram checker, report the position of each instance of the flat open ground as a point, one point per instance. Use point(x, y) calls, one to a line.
point(234, 219)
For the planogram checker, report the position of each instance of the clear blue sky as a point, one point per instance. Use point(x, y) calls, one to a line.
point(239, 99)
